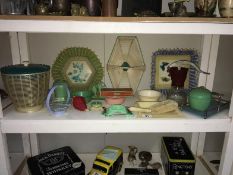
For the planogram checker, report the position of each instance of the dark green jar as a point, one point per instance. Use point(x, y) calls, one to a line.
point(199, 98)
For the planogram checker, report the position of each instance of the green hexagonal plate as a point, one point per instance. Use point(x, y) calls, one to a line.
point(79, 67)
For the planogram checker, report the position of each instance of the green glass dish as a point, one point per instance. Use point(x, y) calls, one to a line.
point(200, 99)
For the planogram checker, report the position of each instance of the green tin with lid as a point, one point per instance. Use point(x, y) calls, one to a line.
point(200, 98)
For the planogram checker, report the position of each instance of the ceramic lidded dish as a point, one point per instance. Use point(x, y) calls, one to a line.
point(149, 95)
point(200, 99)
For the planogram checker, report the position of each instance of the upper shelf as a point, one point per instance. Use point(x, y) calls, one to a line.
point(121, 25)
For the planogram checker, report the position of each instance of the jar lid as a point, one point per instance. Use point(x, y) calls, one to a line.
point(25, 69)
point(200, 92)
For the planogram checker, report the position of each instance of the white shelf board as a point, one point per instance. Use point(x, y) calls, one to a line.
point(94, 122)
point(88, 160)
point(120, 25)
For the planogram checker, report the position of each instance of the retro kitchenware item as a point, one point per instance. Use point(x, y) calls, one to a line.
point(114, 100)
point(158, 108)
point(96, 106)
point(200, 98)
point(27, 85)
point(116, 110)
point(79, 67)
point(116, 92)
point(126, 65)
point(58, 99)
point(149, 95)
point(176, 156)
point(79, 103)
point(215, 106)
point(146, 104)
point(178, 75)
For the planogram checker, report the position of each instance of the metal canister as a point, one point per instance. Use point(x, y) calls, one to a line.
point(109, 7)
point(93, 6)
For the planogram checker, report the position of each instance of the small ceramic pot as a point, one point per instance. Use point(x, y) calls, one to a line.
point(225, 8)
point(200, 99)
point(205, 7)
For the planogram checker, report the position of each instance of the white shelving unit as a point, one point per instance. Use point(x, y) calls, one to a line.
point(42, 122)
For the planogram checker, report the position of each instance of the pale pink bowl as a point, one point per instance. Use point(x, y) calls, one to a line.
point(114, 100)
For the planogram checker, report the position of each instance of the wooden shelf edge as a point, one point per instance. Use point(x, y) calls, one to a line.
point(121, 19)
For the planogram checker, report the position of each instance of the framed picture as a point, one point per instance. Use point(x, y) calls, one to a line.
point(160, 79)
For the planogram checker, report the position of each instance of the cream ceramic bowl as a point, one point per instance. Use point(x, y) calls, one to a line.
point(146, 104)
point(149, 95)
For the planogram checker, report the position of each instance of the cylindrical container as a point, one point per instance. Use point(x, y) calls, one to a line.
point(60, 91)
point(109, 7)
point(93, 6)
point(14, 7)
point(27, 85)
point(225, 8)
point(205, 7)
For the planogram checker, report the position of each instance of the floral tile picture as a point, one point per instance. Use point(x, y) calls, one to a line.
point(160, 79)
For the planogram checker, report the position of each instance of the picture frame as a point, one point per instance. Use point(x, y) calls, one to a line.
point(160, 80)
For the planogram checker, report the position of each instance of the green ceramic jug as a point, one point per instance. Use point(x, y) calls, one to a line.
point(199, 98)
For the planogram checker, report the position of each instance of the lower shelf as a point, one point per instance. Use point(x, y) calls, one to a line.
point(19, 165)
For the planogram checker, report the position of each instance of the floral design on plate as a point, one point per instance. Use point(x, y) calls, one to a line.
point(79, 67)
